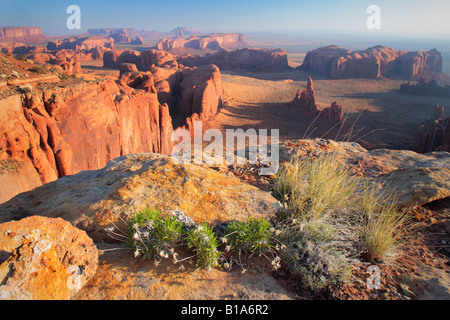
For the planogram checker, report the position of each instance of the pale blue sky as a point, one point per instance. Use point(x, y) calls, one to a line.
point(399, 17)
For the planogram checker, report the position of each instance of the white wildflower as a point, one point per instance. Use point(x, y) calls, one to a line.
point(109, 229)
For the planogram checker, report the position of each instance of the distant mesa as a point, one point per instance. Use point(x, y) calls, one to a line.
point(373, 63)
point(184, 32)
point(119, 35)
point(255, 60)
point(22, 34)
point(80, 43)
point(210, 42)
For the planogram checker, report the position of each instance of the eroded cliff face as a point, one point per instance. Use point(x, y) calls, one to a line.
point(211, 42)
point(27, 34)
point(373, 63)
point(188, 91)
point(255, 60)
point(61, 131)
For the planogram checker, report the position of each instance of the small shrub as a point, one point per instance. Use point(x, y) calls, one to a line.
point(253, 236)
point(39, 69)
point(63, 76)
point(21, 57)
point(202, 240)
point(315, 265)
point(152, 236)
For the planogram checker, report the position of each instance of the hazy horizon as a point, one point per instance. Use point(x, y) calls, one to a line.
point(402, 18)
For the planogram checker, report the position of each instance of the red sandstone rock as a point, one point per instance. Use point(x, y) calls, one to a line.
point(255, 60)
point(157, 58)
point(63, 131)
point(41, 58)
point(25, 34)
point(212, 42)
point(200, 92)
point(127, 67)
point(372, 63)
point(80, 43)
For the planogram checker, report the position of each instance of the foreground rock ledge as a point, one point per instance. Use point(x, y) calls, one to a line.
point(44, 258)
point(92, 200)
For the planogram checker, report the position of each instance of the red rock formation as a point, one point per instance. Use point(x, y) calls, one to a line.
point(61, 131)
point(211, 42)
point(24, 34)
point(434, 134)
point(185, 89)
point(80, 43)
point(256, 60)
point(127, 67)
point(372, 63)
point(157, 58)
point(120, 35)
point(20, 48)
point(305, 103)
point(200, 92)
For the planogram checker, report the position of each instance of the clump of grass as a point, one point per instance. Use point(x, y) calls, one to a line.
point(313, 188)
point(383, 226)
point(331, 217)
point(202, 240)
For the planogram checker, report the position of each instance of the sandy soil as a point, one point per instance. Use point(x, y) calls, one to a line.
point(375, 111)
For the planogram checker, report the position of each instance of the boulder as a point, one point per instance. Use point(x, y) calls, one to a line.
point(427, 283)
point(127, 67)
point(417, 186)
point(93, 200)
point(44, 259)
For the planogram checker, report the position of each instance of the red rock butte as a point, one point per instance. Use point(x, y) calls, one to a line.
point(213, 42)
point(25, 34)
point(373, 63)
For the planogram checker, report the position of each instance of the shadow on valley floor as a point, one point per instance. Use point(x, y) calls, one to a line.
point(292, 74)
point(290, 123)
point(400, 114)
